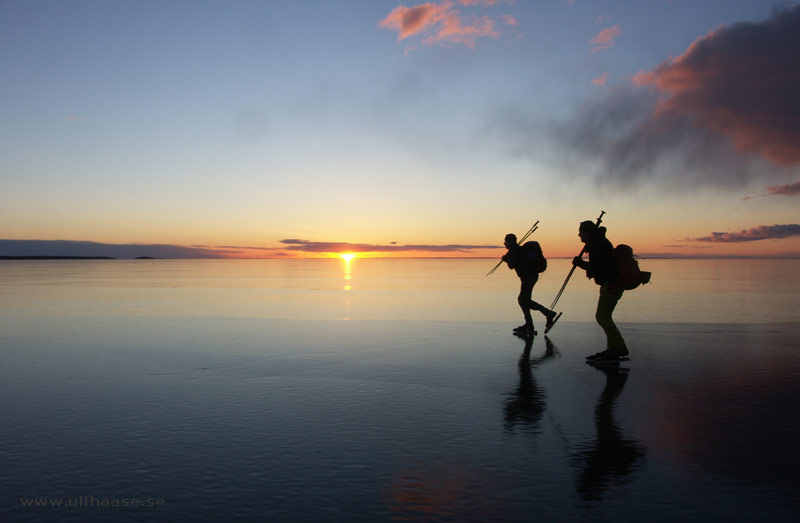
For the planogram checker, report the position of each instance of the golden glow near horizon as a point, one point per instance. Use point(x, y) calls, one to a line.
point(347, 257)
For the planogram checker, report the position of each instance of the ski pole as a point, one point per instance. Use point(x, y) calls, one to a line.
point(530, 231)
point(597, 224)
point(525, 237)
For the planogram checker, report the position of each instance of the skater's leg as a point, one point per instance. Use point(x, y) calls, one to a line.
point(605, 307)
point(524, 299)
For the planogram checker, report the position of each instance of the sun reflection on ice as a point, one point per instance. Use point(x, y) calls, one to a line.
point(348, 258)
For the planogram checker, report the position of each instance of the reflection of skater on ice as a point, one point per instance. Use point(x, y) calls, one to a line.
point(526, 403)
point(610, 458)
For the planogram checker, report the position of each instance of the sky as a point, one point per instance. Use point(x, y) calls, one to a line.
point(283, 129)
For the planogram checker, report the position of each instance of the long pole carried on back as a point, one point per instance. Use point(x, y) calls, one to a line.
point(553, 306)
point(525, 237)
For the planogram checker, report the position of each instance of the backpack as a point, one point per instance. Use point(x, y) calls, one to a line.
point(630, 276)
point(534, 254)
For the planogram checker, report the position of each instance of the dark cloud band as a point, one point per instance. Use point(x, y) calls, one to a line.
point(337, 247)
point(786, 190)
point(762, 232)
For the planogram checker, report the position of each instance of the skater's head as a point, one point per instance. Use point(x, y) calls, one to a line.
point(586, 230)
point(510, 240)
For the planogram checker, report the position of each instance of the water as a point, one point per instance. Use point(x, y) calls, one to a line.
point(393, 390)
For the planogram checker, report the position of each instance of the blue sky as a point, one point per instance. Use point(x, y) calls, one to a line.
point(246, 123)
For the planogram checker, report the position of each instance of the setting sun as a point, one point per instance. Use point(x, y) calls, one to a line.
point(347, 256)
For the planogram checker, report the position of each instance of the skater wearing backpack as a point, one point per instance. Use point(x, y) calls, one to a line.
point(602, 269)
point(528, 261)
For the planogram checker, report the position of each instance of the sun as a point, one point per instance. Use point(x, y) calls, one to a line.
point(348, 256)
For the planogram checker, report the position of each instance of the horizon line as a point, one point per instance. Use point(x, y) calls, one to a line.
point(53, 249)
point(337, 256)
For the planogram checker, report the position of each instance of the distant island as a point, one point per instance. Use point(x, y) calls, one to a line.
point(71, 258)
point(56, 258)
point(82, 250)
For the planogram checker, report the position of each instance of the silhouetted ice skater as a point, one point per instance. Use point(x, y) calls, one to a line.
point(603, 270)
point(528, 271)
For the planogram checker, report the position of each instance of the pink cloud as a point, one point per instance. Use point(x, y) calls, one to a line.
point(787, 190)
point(790, 189)
point(601, 80)
point(442, 23)
point(409, 21)
point(605, 38)
point(453, 30)
point(725, 115)
point(484, 3)
point(741, 81)
point(762, 232)
point(509, 20)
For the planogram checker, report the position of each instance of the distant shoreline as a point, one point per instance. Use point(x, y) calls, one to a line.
point(56, 258)
point(640, 257)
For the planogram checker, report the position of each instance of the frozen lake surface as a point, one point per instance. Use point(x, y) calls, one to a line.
point(187, 387)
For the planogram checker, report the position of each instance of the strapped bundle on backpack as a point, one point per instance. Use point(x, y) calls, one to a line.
point(630, 276)
point(533, 251)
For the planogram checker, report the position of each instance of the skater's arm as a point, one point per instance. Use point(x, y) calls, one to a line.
point(577, 261)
